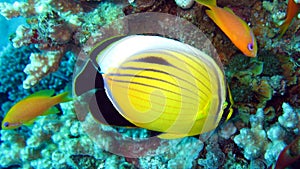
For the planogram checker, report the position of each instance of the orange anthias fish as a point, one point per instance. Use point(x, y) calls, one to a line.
point(25, 111)
point(234, 27)
point(292, 11)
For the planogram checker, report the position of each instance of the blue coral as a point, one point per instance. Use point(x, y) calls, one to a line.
point(253, 140)
point(266, 144)
point(214, 157)
point(290, 119)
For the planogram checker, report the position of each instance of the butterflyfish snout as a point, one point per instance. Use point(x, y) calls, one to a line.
point(155, 83)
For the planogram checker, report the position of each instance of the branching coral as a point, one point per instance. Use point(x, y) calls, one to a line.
point(180, 155)
point(254, 140)
point(290, 119)
point(55, 28)
point(13, 61)
point(184, 4)
point(54, 143)
point(227, 130)
point(214, 157)
point(40, 65)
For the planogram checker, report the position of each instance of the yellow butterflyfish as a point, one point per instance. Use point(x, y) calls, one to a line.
point(155, 83)
point(25, 111)
point(233, 26)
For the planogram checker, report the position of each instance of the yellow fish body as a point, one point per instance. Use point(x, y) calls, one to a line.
point(25, 111)
point(158, 84)
point(233, 26)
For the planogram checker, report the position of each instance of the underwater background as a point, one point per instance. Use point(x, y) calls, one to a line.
point(40, 43)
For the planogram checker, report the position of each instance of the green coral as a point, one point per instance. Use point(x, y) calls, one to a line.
point(250, 78)
point(272, 64)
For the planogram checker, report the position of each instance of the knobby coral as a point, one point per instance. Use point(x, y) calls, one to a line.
point(254, 140)
point(55, 27)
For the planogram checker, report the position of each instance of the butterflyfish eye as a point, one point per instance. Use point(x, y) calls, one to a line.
point(250, 46)
point(6, 124)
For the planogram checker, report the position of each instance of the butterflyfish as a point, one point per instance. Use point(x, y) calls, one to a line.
point(292, 11)
point(233, 26)
point(155, 83)
point(28, 109)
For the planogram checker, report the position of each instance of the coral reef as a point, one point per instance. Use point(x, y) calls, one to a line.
point(214, 157)
point(266, 144)
point(253, 140)
point(266, 89)
point(248, 82)
point(181, 155)
point(184, 4)
point(54, 142)
point(13, 62)
point(55, 28)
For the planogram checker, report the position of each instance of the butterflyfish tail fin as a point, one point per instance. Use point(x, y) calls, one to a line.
point(207, 3)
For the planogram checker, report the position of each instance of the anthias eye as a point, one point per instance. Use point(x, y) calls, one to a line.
point(250, 46)
point(6, 124)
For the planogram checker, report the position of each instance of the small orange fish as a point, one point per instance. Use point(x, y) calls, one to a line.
point(25, 111)
point(234, 27)
point(292, 11)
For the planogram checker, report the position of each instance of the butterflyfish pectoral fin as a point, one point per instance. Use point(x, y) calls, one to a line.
point(171, 136)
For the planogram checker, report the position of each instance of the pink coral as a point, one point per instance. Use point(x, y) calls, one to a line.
point(41, 64)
